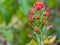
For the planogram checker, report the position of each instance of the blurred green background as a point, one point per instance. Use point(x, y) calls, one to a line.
point(14, 23)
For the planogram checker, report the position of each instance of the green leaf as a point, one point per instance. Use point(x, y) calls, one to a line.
point(51, 3)
point(4, 14)
point(1, 44)
point(8, 3)
point(21, 16)
point(31, 2)
point(8, 9)
point(8, 35)
point(58, 5)
point(24, 6)
point(1, 20)
point(41, 0)
point(58, 34)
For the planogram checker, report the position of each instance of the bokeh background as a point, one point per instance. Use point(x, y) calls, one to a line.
point(14, 26)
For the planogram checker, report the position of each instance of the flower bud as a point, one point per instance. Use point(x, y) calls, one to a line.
point(44, 22)
point(30, 35)
point(37, 17)
point(47, 9)
point(36, 29)
point(46, 14)
point(49, 26)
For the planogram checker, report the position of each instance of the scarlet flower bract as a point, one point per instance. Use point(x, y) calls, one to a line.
point(44, 22)
point(49, 26)
point(46, 14)
point(30, 17)
point(37, 17)
point(38, 5)
point(47, 10)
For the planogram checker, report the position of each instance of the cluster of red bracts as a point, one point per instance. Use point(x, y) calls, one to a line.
point(37, 6)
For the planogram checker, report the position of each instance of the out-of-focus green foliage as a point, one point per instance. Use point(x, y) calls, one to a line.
point(52, 3)
point(56, 23)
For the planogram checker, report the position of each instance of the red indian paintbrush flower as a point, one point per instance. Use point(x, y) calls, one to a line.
point(39, 22)
point(36, 29)
point(37, 17)
point(38, 5)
